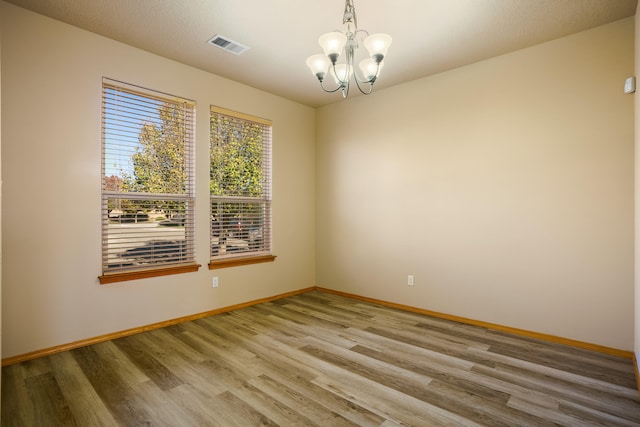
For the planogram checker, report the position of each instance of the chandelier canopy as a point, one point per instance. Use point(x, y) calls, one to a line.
point(344, 44)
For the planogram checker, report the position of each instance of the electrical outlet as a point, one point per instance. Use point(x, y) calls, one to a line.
point(214, 282)
point(410, 280)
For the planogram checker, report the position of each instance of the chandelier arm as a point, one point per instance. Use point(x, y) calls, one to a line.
point(360, 88)
point(345, 89)
point(344, 84)
point(359, 80)
point(329, 90)
point(341, 85)
point(347, 74)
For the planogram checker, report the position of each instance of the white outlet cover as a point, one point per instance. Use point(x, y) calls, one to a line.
point(630, 85)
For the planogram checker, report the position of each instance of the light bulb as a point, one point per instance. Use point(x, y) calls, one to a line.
point(377, 45)
point(319, 65)
point(370, 69)
point(332, 44)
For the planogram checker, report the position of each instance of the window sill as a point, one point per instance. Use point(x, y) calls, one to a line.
point(235, 262)
point(143, 274)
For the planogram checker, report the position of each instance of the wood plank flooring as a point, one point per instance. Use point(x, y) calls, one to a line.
point(318, 359)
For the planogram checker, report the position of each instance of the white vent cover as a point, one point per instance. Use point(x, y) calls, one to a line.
point(227, 44)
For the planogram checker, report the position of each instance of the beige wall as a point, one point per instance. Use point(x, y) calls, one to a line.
point(51, 76)
point(637, 189)
point(505, 187)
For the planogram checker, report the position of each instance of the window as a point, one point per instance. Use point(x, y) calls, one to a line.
point(147, 183)
point(240, 188)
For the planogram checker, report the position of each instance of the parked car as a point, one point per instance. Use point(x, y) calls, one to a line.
point(174, 221)
point(236, 234)
point(255, 238)
point(236, 228)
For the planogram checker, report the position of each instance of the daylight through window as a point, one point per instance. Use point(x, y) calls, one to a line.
point(240, 185)
point(148, 183)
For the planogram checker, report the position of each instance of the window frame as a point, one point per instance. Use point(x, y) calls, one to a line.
point(156, 260)
point(264, 253)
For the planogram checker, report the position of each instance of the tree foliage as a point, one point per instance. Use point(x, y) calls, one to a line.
point(236, 169)
point(159, 163)
point(236, 157)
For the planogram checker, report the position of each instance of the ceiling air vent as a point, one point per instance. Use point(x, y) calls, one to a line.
point(227, 44)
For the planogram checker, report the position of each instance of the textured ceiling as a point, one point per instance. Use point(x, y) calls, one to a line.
point(429, 36)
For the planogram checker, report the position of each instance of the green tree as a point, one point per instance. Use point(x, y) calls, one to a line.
point(236, 157)
point(236, 169)
point(159, 163)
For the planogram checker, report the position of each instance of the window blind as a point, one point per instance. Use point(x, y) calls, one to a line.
point(148, 199)
point(240, 184)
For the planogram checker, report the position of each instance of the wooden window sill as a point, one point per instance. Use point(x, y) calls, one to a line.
point(235, 262)
point(143, 274)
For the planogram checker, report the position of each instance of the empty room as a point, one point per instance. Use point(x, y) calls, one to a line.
point(354, 212)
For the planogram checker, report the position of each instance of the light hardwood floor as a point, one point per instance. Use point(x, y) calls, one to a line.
point(326, 360)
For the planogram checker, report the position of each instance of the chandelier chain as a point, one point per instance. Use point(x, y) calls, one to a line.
point(350, 14)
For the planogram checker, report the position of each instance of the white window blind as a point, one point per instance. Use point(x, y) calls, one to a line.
point(240, 185)
point(148, 199)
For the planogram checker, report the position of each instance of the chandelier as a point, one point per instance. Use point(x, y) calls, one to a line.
point(345, 43)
